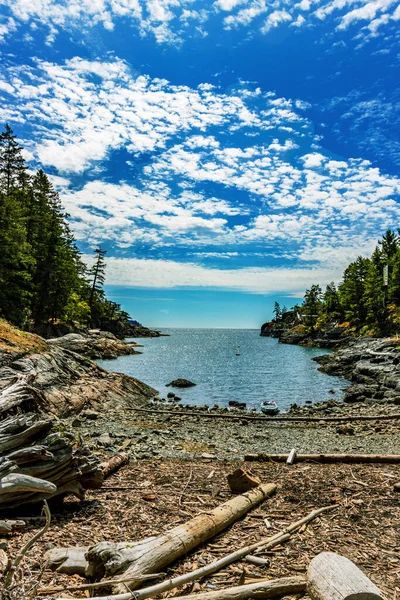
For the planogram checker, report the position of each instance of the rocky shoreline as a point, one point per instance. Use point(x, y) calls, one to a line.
point(111, 412)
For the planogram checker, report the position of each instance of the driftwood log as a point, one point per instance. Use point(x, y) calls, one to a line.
point(245, 417)
point(328, 458)
point(273, 588)
point(39, 457)
point(334, 577)
point(154, 554)
point(114, 463)
point(170, 584)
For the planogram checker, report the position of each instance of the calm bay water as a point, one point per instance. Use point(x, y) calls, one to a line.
point(265, 369)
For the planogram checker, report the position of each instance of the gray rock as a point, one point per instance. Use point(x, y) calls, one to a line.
point(180, 383)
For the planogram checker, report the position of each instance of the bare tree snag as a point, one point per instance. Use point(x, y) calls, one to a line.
point(328, 458)
point(242, 481)
point(334, 577)
point(152, 556)
point(114, 463)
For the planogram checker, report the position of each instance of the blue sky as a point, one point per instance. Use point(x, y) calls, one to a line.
point(225, 153)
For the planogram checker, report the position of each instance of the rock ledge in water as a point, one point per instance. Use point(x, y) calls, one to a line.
point(181, 383)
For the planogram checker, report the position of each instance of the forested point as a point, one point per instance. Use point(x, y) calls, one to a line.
point(366, 301)
point(42, 276)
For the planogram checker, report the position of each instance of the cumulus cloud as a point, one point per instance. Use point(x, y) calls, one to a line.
point(168, 274)
point(167, 20)
point(200, 184)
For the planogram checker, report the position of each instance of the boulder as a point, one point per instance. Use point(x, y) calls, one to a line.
point(95, 344)
point(181, 383)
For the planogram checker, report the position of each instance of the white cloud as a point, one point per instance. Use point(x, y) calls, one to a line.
point(169, 274)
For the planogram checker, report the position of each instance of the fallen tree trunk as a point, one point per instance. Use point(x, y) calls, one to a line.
point(153, 555)
point(217, 565)
point(114, 463)
point(244, 417)
point(273, 588)
point(334, 577)
point(328, 458)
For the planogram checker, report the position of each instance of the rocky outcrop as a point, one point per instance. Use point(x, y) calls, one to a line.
point(40, 383)
point(140, 331)
point(373, 367)
point(99, 344)
point(70, 382)
point(180, 383)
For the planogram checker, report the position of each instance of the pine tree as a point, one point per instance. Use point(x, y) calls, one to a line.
point(352, 291)
point(312, 306)
point(12, 163)
point(98, 274)
point(15, 257)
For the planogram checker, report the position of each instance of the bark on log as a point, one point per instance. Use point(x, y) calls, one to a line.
point(114, 463)
point(328, 458)
point(334, 577)
point(152, 556)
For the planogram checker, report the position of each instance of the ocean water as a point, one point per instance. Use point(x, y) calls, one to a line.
point(265, 369)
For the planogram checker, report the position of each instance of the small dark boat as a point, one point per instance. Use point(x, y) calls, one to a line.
point(269, 407)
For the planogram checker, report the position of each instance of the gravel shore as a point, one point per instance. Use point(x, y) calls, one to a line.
point(177, 433)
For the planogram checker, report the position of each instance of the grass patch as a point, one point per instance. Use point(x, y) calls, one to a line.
point(12, 340)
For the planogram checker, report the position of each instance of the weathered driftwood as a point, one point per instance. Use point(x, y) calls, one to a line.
point(8, 526)
point(217, 565)
point(257, 560)
point(153, 555)
point(334, 577)
point(244, 417)
point(272, 588)
point(36, 460)
point(292, 456)
point(114, 463)
point(328, 458)
point(70, 561)
point(17, 482)
point(242, 481)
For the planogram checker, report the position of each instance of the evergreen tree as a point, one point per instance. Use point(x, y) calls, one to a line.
point(15, 257)
point(12, 163)
point(312, 306)
point(331, 301)
point(277, 311)
point(352, 291)
point(98, 275)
